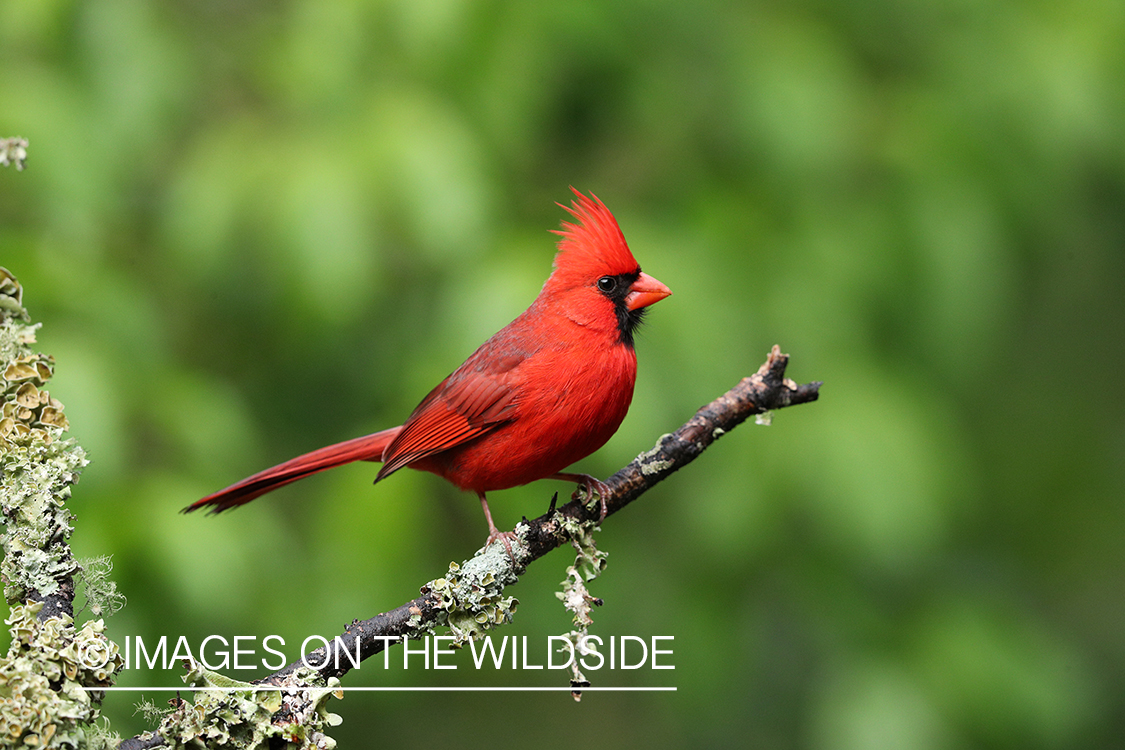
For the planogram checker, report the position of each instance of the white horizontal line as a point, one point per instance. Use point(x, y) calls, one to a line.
point(406, 689)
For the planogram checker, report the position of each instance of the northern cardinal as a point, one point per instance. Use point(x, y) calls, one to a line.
point(548, 389)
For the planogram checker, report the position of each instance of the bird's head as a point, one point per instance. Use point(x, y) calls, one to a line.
point(596, 280)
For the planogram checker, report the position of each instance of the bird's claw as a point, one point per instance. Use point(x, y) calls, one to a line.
point(505, 537)
point(591, 485)
point(596, 485)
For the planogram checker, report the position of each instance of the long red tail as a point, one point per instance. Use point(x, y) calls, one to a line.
point(366, 448)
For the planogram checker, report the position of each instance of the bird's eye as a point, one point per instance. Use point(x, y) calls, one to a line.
point(607, 284)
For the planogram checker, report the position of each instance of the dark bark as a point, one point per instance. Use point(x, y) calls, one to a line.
point(59, 603)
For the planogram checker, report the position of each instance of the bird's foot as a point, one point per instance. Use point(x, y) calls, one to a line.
point(504, 536)
point(592, 485)
point(494, 533)
point(600, 487)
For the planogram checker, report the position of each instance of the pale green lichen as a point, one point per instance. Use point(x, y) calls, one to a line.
point(470, 595)
point(241, 715)
point(654, 451)
point(649, 463)
point(51, 675)
point(150, 711)
point(37, 467)
point(589, 563)
point(102, 596)
point(35, 479)
point(45, 679)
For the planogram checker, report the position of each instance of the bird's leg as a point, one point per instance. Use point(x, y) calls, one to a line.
point(591, 484)
point(495, 533)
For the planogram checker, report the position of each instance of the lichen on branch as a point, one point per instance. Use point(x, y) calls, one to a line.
point(49, 678)
point(37, 467)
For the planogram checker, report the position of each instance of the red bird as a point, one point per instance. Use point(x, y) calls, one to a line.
point(547, 390)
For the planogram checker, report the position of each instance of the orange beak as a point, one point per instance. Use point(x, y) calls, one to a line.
point(644, 291)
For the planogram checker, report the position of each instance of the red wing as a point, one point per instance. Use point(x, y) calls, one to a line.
point(464, 406)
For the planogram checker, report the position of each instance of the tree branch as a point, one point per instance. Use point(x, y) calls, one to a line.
point(468, 599)
point(759, 393)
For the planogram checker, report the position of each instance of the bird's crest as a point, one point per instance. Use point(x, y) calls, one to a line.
point(595, 245)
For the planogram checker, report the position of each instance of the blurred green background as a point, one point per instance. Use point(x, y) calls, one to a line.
point(254, 228)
